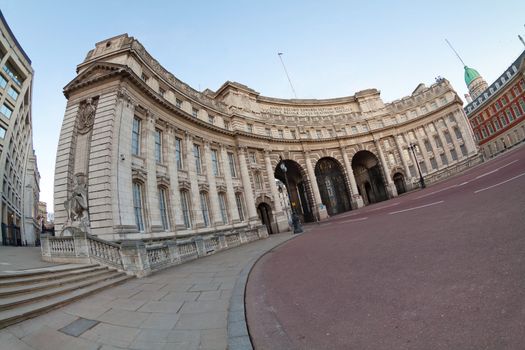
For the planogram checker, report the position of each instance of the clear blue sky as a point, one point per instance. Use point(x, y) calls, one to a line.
point(331, 48)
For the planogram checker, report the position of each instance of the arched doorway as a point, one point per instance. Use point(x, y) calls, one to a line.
point(369, 177)
point(298, 189)
point(332, 185)
point(399, 181)
point(265, 214)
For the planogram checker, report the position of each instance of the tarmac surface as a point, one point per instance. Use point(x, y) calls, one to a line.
point(440, 268)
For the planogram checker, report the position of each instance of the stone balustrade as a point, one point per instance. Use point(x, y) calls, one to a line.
point(137, 258)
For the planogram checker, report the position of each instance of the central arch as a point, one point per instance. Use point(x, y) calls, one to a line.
point(332, 185)
point(369, 177)
point(298, 188)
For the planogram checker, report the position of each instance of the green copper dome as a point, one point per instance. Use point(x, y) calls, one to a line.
point(470, 75)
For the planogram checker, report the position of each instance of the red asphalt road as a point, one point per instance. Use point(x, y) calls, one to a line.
point(440, 268)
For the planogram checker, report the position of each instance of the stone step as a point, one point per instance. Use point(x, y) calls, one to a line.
point(44, 271)
point(24, 312)
point(19, 281)
point(14, 290)
point(17, 300)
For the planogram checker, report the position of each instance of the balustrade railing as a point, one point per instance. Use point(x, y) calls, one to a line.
point(62, 246)
point(158, 256)
point(105, 252)
point(187, 251)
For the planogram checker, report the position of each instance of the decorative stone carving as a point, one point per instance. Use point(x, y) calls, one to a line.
point(76, 207)
point(86, 116)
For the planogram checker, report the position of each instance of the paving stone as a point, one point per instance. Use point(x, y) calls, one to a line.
point(205, 320)
point(123, 317)
point(211, 295)
point(239, 343)
point(161, 306)
point(127, 304)
point(205, 306)
point(111, 335)
point(148, 295)
point(50, 339)
point(55, 319)
point(181, 296)
point(158, 320)
point(203, 287)
point(78, 327)
point(11, 342)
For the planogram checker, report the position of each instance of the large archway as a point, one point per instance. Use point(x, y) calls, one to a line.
point(332, 185)
point(296, 183)
point(369, 177)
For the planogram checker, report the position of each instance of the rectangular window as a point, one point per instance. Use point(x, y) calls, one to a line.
point(423, 167)
point(268, 132)
point(197, 156)
point(258, 181)
point(484, 132)
point(137, 206)
point(185, 204)
point(433, 163)
point(319, 134)
point(135, 137)
point(178, 154)
point(491, 129)
point(222, 205)
point(463, 150)
point(11, 72)
point(431, 127)
point(428, 147)
point(158, 146)
point(231, 161)
point(204, 209)
point(144, 77)
point(3, 82)
point(227, 125)
point(253, 160)
point(161, 91)
point(2, 132)
point(163, 211)
point(240, 206)
point(249, 127)
point(211, 119)
point(354, 129)
point(6, 111)
point(178, 103)
point(13, 93)
point(215, 162)
point(454, 154)
point(293, 133)
point(448, 138)
point(458, 133)
point(443, 159)
point(194, 112)
point(509, 115)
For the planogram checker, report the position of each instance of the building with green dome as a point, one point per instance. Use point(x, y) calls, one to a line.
point(475, 83)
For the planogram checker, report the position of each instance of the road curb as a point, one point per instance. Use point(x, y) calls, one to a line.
point(238, 335)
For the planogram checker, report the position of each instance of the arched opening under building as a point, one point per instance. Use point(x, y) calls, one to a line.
point(399, 181)
point(296, 183)
point(332, 185)
point(369, 177)
point(265, 214)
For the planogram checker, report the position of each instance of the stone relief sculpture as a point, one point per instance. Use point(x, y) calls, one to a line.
point(86, 116)
point(76, 207)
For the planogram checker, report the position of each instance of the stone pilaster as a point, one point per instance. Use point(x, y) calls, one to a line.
point(390, 186)
point(423, 152)
point(230, 192)
point(246, 183)
point(356, 199)
point(175, 202)
point(453, 138)
point(197, 219)
point(280, 216)
point(152, 193)
point(435, 147)
point(216, 217)
point(444, 143)
point(320, 208)
point(408, 175)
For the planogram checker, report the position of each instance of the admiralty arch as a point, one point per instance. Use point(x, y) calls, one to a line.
point(160, 159)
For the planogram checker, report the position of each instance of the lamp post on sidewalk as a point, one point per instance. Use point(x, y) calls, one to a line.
point(412, 147)
point(297, 228)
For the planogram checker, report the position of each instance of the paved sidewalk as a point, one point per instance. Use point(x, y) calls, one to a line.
point(183, 307)
point(21, 258)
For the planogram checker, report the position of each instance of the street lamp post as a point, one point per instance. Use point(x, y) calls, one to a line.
point(412, 147)
point(297, 228)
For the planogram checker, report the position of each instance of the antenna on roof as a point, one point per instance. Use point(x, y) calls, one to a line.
point(280, 54)
point(449, 44)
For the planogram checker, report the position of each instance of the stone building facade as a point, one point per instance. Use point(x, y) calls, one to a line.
point(497, 112)
point(18, 168)
point(161, 159)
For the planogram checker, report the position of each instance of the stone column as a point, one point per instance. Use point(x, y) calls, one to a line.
point(175, 204)
point(454, 140)
point(466, 132)
point(151, 195)
point(280, 216)
point(216, 217)
point(246, 183)
point(230, 192)
point(198, 220)
point(320, 208)
point(390, 186)
point(445, 144)
point(435, 147)
point(403, 161)
point(356, 199)
point(423, 151)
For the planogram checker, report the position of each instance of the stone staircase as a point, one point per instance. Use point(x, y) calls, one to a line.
point(29, 293)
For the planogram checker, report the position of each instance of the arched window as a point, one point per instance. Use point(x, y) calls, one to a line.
point(222, 205)
point(163, 209)
point(138, 206)
point(185, 206)
point(204, 208)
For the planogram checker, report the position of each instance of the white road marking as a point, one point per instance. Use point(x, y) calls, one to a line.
point(352, 220)
point(463, 183)
point(499, 183)
point(385, 206)
point(431, 193)
point(497, 169)
point(414, 208)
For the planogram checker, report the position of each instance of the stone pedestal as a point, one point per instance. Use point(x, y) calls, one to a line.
point(222, 240)
point(174, 252)
point(262, 231)
point(81, 244)
point(44, 245)
point(357, 201)
point(199, 243)
point(391, 190)
point(135, 258)
point(282, 222)
point(322, 213)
